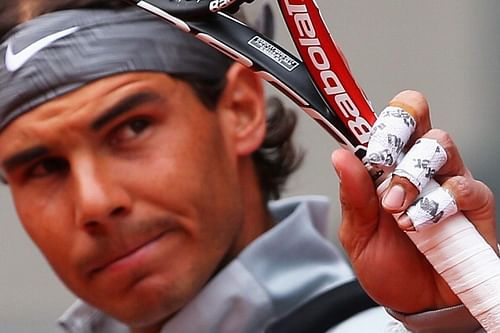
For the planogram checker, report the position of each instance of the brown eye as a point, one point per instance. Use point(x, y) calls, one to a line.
point(47, 167)
point(130, 130)
point(139, 125)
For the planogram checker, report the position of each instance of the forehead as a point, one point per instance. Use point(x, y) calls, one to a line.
point(83, 105)
point(99, 93)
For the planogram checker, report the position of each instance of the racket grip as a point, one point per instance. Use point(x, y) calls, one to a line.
point(467, 263)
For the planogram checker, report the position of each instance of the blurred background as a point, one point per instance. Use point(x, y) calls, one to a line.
point(448, 49)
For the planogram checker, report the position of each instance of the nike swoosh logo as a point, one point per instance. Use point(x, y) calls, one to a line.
point(14, 61)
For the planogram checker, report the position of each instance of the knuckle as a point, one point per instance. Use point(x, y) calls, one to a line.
point(460, 187)
point(444, 138)
point(446, 141)
point(470, 193)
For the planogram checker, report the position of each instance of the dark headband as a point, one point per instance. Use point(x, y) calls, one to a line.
point(59, 52)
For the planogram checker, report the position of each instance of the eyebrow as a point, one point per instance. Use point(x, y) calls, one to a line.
point(128, 104)
point(125, 105)
point(24, 157)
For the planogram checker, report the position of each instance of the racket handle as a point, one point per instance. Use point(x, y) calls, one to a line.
point(466, 262)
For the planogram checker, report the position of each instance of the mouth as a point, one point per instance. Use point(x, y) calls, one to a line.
point(128, 259)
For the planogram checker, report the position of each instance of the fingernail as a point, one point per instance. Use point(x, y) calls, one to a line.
point(405, 223)
point(394, 198)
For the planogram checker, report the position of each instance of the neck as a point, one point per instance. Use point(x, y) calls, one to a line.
point(257, 218)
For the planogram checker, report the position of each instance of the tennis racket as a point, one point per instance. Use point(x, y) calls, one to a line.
point(323, 86)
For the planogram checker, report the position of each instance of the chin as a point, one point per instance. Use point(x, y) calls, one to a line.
point(149, 304)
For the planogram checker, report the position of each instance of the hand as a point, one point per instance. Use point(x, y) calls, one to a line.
point(387, 264)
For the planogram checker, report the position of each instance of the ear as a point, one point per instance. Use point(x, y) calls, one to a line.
point(242, 110)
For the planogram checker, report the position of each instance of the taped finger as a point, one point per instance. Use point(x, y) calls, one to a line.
point(431, 208)
point(454, 164)
point(422, 162)
point(389, 135)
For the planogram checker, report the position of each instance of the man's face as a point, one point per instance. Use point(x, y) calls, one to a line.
point(129, 188)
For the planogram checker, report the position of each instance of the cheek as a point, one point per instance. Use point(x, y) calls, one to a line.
point(200, 184)
point(45, 221)
point(42, 201)
point(195, 175)
point(191, 166)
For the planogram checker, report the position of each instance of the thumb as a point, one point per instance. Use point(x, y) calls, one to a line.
point(359, 201)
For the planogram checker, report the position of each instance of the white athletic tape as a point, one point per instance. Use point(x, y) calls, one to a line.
point(466, 262)
point(422, 162)
point(431, 208)
point(453, 246)
point(389, 135)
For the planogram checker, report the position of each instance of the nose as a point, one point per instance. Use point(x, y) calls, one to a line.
point(99, 197)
